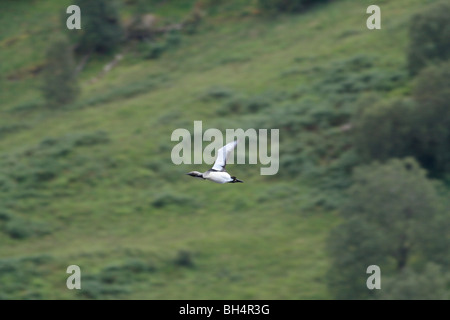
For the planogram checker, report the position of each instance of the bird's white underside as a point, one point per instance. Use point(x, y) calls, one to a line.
point(218, 177)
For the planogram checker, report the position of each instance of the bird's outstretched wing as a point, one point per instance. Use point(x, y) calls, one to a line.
point(222, 154)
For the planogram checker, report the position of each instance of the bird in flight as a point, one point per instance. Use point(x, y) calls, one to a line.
point(218, 173)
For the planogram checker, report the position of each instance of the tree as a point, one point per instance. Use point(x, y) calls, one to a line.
point(101, 29)
point(386, 130)
point(353, 246)
point(432, 119)
point(59, 85)
point(431, 283)
point(429, 37)
point(417, 127)
point(391, 211)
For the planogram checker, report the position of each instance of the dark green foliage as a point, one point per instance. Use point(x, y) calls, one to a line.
point(104, 200)
point(432, 118)
point(19, 228)
point(193, 20)
point(431, 283)
point(59, 85)
point(99, 137)
point(174, 39)
point(93, 288)
point(358, 74)
point(429, 37)
point(319, 144)
point(27, 176)
point(390, 212)
point(354, 245)
point(16, 275)
point(27, 106)
point(241, 105)
point(44, 162)
point(216, 93)
point(9, 129)
point(164, 199)
point(101, 29)
point(386, 131)
point(184, 259)
point(418, 127)
point(114, 280)
point(153, 50)
point(322, 128)
point(288, 5)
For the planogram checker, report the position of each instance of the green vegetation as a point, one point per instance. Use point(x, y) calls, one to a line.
point(287, 6)
point(418, 126)
point(430, 283)
point(390, 211)
point(60, 85)
point(101, 31)
point(429, 34)
point(89, 181)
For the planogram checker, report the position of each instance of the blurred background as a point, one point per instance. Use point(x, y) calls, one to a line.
point(86, 176)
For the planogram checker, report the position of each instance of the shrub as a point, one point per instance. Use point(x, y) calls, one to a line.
point(95, 289)
point(216, 93)
point(17, 276)
point(11, 128)
point(287, 5)
point(358, 74)
point(114, 280)
point(429, 37)
point(184, 259)
point(25, 174)
point(164, 199)
point(173, 39)
point(27, 106)
point(101, 31)
point(98, 137)
point(5, 215)
point(153, 50)
point(241, 105)
point(386, 131)
point(18, 228)
point(59, 85)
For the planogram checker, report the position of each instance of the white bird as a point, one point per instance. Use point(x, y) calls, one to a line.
point(218, 173)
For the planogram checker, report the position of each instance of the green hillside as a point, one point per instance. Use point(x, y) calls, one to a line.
point(92, 183)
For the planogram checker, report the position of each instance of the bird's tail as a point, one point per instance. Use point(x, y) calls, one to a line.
point(236, 180)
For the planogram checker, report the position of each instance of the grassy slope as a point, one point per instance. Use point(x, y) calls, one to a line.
point(242, 247)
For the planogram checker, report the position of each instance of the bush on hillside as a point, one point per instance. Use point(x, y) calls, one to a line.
point(386, 131)
point(101, 29)
point(429, 37)
point(59, 85)
point(288, 5)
